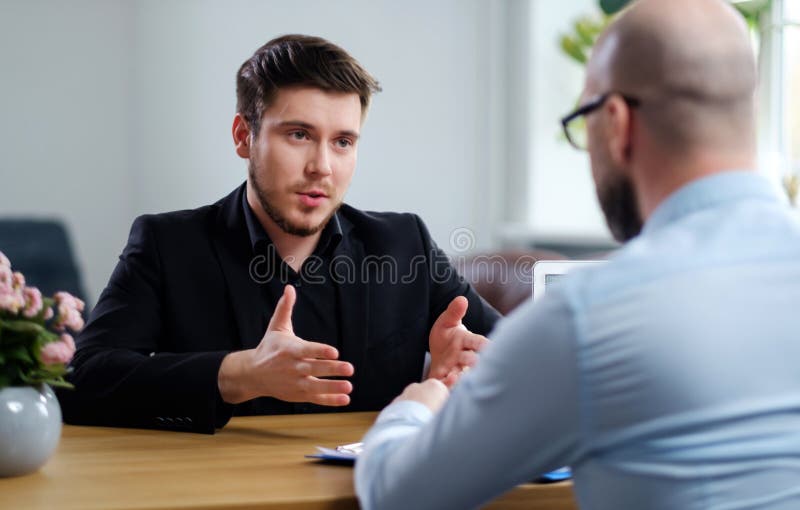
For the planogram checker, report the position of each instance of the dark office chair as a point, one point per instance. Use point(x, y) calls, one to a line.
point(41, 250)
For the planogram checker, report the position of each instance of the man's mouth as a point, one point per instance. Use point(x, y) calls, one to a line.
point(312, 198)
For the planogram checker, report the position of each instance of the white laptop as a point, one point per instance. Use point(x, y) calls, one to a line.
point(547, 273)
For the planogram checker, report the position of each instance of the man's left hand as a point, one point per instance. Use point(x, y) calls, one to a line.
point(453, 348)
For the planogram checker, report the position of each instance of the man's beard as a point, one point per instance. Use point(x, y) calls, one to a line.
point(618, 201)
point(276, 215)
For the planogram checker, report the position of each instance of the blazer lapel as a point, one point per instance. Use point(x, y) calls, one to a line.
point(234, 253)
point(353, 299)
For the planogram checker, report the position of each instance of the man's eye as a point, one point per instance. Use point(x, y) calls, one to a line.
point(298, 135)
point(344, 143)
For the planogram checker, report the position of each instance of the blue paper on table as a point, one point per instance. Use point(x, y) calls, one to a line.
point(557, 475)
point(332, 455)
point(347, 454)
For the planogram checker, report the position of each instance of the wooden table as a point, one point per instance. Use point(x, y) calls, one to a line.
point(253, 463)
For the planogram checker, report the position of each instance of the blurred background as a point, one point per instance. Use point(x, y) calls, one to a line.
point(114, 108)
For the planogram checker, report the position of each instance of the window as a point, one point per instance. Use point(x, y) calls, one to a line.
point(791, 97)
point(553, 182)
point(779, 136)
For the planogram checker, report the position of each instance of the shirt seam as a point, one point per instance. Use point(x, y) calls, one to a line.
point(585, 418)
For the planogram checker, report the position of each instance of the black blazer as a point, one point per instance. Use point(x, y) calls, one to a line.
point(181, 298)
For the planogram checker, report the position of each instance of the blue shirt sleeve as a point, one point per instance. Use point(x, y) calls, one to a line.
point(511, 418)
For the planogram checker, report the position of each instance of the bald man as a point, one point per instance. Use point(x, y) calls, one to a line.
point(667, 378)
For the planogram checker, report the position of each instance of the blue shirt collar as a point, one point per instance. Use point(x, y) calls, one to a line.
point(711, 191)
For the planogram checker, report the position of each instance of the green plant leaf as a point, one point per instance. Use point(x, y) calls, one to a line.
point(45, 337)
point(19, 353)
point(752, 11)
point(573, 49)
point(60, 383)
point(586, 31)
point(752, 7)
point(613, 6)
point(21, 326)
point(52, 375)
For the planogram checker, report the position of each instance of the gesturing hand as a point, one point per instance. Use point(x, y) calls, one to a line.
point(285, 366)
point(452, 346)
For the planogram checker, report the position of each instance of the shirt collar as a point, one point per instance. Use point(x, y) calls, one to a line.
point(711, 191)
point(328, 240)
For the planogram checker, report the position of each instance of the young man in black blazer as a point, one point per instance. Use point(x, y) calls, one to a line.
point(278, 298)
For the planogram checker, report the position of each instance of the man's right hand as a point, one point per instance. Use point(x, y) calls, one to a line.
point(285, 366)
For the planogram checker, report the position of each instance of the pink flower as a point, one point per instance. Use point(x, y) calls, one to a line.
point(60, 351)
point(11, 300)
point(19, 280)
point(69, 312)
point(68, 300)
point(6, 277)
point(33, 302)
point(26, 305)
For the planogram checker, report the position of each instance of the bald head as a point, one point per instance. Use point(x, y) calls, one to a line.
point(691, 64)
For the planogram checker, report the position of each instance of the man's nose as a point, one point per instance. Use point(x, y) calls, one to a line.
point(320, 161)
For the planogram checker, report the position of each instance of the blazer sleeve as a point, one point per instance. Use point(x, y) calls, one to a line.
point(121, 377)
point(447, 284)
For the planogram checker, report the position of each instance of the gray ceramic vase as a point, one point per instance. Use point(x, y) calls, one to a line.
point(30, 427)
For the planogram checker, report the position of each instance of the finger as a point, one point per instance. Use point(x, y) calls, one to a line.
point(314, 386)
point(439, 372)
point(331, 399)
point(442, 373)
point(325, 368)
point(282, 316)
point(452, 378)
point(467, 359)
point(475, 342)
point(451, 317)
point(314, 350)
point(432, 385)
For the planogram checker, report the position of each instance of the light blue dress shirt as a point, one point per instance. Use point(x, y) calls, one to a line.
point(667, 378)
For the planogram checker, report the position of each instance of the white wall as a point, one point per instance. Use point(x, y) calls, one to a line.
point(111, 109)
point(64, 122)
point(422, 141)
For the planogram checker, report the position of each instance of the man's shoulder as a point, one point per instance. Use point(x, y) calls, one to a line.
point(175, 221)
point(183, 221)
point(379, 220)
point(385, 232)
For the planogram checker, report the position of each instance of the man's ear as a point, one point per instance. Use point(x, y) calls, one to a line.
point(619, 124)
point(241, 136)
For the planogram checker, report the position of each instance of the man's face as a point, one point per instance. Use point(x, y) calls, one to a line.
point(613, 185)
point(303, 158)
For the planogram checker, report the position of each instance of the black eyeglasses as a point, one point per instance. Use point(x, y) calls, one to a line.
point(574, 124)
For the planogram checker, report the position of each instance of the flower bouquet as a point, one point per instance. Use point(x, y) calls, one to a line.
point(35, 346)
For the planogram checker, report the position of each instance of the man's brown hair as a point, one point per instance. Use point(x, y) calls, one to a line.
point(298, 60)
